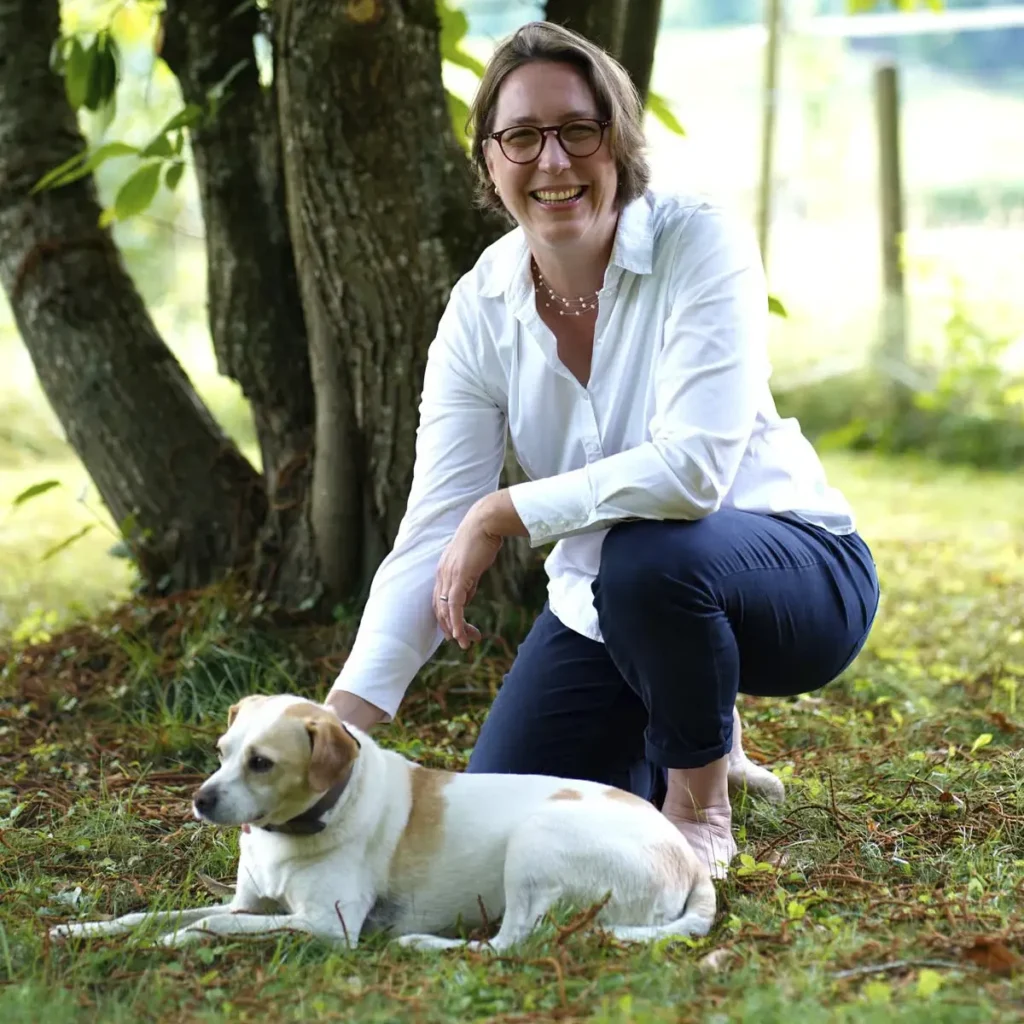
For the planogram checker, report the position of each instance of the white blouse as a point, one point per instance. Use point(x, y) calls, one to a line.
point(676, 421)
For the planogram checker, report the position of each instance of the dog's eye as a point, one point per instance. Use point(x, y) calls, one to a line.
point(259, 763)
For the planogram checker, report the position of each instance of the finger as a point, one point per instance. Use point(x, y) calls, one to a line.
point(440, 600)
point(456, 611)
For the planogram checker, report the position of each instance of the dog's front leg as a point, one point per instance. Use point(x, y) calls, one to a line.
point(129, 922)
point(340, 924)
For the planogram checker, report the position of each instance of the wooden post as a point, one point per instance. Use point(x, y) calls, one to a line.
point(892, 348)
point(773, 23)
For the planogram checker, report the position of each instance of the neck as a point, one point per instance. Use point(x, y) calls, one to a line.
point(310, 821)
point(578, 270)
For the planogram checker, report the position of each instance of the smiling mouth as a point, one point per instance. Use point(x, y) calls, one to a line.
point(559, 196)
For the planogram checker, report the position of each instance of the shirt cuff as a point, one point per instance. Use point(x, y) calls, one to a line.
point(555, 506)
point(379, 670)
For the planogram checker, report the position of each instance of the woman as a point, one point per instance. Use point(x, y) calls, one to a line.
point(620, 336)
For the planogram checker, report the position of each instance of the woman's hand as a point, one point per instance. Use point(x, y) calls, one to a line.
point(469, 555)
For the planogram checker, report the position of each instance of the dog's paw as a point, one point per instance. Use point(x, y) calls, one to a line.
point(416, 941)
point(81, 930)
point(180, 937)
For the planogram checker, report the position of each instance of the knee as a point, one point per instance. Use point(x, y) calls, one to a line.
point(643, 564)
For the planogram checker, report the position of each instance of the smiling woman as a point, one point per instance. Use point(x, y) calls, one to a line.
point(619, 336)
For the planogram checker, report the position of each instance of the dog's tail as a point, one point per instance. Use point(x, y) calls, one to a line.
point(698, 917)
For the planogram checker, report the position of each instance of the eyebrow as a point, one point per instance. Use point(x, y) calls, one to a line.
point(569, 115)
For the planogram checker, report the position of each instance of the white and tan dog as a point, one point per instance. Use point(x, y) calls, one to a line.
point(341, 838)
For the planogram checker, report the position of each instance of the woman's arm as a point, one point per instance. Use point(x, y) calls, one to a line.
point(460, 449)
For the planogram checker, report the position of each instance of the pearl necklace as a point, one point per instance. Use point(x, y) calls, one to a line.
point(572, 306)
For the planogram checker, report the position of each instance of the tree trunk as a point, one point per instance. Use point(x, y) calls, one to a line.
point(382, 224)
point(255, 311)
point(188, 500)
point(601, 21)
point(639, 40)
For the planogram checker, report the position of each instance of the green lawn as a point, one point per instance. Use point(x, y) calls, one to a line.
point(888, 885)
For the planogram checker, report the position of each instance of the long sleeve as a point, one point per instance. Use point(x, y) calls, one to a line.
point(460, 446)
point(709, 375)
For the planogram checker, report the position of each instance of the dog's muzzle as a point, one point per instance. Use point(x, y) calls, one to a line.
point(204, 802)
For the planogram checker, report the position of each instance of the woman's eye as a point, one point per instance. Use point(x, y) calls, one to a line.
point(259, 763)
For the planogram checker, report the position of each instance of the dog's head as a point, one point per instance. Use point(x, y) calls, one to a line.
point(278, 756)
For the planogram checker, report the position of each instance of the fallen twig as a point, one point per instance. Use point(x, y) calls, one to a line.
point(899, 965)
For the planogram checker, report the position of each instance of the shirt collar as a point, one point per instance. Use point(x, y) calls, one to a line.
point(509, 272)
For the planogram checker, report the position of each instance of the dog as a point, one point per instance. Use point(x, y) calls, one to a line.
point(341, 838)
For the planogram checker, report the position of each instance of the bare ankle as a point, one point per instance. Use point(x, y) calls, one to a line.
point(696, 790)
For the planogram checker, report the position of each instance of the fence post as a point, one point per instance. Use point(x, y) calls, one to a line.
point(891, 355)
point(773, 24)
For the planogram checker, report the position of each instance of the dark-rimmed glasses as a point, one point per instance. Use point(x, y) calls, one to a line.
point(523, 143)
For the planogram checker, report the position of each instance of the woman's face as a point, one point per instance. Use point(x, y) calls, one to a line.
point(559, 198)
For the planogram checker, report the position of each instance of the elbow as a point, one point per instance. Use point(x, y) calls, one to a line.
point(703, 480)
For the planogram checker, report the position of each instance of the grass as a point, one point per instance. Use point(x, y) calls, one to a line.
point(888, 885)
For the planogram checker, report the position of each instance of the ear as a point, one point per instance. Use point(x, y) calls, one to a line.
point(233, 711)
point(334, 750)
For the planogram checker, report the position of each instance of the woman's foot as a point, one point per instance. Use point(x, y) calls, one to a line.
point(710, 834)
point(697, 803)
point(747, 777)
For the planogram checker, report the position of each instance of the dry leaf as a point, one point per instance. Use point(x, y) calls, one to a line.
point(991, 955)
point(716, 959)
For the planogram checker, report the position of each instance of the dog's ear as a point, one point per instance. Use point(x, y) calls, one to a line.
point(256, 698)
point(334, 749)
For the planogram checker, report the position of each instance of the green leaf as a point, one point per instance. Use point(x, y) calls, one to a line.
point(174, 173)
point(159, 146)
point(466, 60)
point(660, 108)
point(775, 306)
point(34, 491)
point(138, 191)
point(76, 73)
point(454, 28)
point(189, 115)
point(928, 982)
point(982, 741)
point(87, 162)
point(459, 112)
point(67, 542)
point(102, 80)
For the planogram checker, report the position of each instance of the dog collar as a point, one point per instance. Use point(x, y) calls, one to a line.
point(310, 822)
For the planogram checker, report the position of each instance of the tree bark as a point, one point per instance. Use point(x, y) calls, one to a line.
point(255, 311)
point(639, 40)
point(382, 224)
point(187, 499)
point(601, 21)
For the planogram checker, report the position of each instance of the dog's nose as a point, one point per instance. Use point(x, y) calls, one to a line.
point(205, 801)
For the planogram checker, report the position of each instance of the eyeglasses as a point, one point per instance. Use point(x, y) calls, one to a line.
point(523, 143)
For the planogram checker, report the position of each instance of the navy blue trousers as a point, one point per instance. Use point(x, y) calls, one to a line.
point(692, 613)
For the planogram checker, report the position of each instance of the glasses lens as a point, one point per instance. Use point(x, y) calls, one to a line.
point(521, 144)
point(581, 138)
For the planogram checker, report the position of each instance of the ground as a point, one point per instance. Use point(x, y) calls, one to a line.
point(888, 885)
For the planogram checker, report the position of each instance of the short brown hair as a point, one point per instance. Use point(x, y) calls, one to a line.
point(616, 96)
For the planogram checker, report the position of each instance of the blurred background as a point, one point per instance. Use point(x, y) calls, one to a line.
point(961, 130)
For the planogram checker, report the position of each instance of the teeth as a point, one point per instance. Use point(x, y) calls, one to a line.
point(552, 196)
